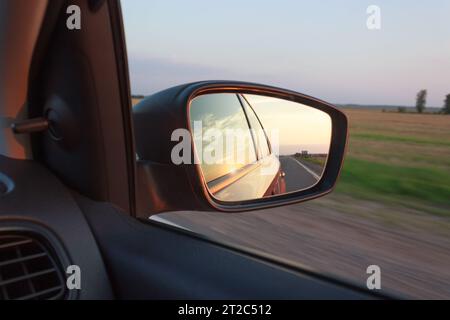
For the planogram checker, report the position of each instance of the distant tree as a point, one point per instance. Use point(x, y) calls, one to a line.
point(401, 109)
point(446, 108)
point(421, 101)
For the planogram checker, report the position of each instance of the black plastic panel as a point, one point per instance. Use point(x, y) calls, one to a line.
point(39, 203)
point(154, 261)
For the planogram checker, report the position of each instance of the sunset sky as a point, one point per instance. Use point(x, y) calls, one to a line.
point(321, 48)
point(292, 127)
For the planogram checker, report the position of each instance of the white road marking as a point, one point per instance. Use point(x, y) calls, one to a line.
point(165, 221)
point(307, 169)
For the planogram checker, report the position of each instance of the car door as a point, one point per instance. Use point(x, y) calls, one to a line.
point(77, 189)
point(266, 154)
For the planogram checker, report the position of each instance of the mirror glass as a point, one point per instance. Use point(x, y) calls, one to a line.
point(252, 146)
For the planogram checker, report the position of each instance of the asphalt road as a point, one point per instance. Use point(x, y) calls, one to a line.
point(340, 236)
point(299, 175)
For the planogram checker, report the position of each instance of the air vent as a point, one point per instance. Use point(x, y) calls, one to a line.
point(28, 269)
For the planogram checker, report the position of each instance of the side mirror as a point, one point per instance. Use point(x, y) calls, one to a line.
point(233, 146)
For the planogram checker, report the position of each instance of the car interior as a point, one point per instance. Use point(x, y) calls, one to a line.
point(78, 184)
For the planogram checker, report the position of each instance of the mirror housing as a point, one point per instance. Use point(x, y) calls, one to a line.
point(164, 186)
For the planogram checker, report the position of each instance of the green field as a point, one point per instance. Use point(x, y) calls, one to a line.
point(399, 158)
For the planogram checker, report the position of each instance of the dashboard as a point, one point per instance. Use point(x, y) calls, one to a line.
point(42, 233)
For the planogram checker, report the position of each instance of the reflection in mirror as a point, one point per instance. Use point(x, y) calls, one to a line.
point(254, 146)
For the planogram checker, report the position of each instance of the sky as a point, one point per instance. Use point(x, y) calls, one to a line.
point(321, 48)
point(292, 127)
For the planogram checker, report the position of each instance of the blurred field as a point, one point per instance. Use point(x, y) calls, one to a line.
point(399, 158)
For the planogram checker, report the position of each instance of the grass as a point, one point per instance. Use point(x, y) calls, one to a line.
point(397, 184)
point(397, 138)
point(399, 158)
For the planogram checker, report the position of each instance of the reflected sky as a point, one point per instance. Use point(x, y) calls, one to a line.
point(297, 127)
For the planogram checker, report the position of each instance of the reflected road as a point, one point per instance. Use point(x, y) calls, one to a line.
point(299, 174)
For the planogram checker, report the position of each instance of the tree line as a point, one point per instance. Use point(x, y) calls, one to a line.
point(421, 101)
